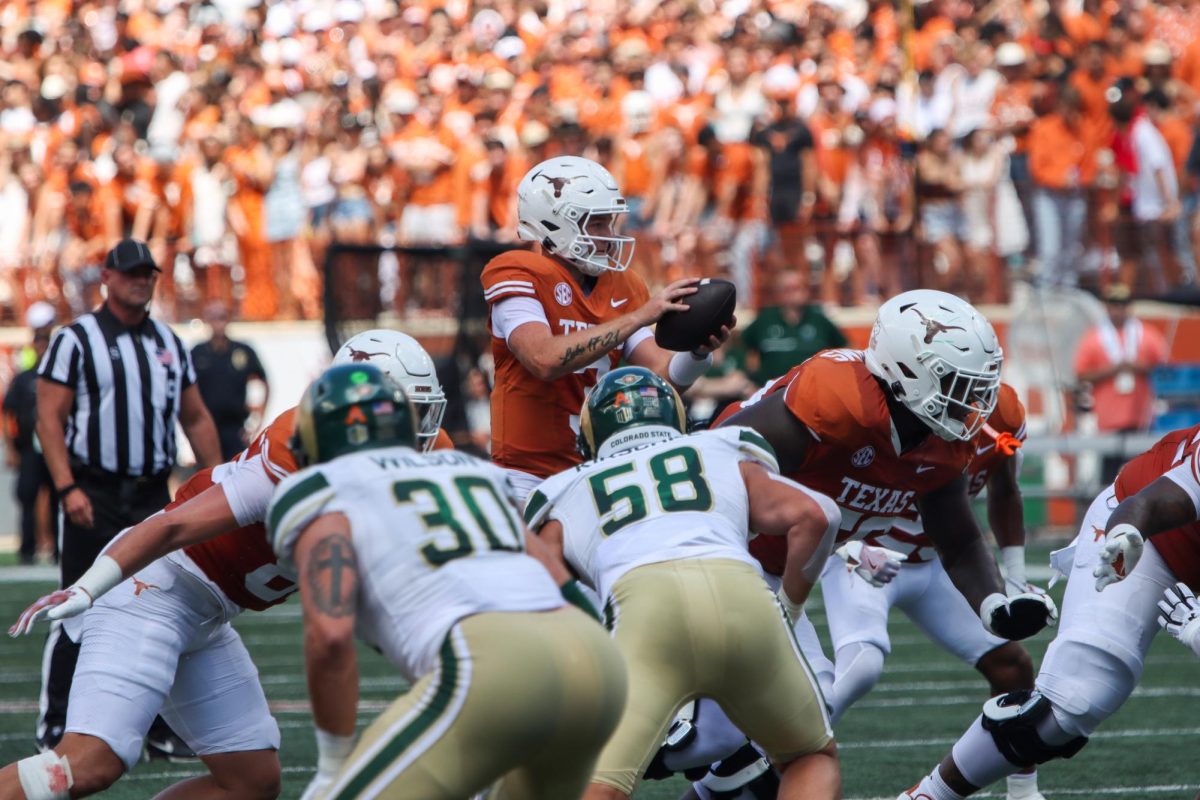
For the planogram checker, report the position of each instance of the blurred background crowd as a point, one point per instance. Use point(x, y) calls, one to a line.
point(870, 146)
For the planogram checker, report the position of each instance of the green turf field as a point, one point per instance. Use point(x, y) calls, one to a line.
point(924, 701)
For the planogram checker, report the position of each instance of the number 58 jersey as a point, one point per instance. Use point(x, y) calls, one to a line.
point(435, 538)
point(683, 498)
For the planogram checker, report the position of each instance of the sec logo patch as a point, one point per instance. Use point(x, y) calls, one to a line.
point(863, 456)
point(563, 294)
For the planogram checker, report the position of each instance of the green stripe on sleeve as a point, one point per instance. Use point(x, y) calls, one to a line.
point(534, 505)
point(299, 492)
point(755, 440)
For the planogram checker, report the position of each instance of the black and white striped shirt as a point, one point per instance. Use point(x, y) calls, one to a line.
point(128, 383)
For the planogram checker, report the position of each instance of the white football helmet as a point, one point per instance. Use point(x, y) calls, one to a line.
point(939, 357)
point(571, 205)
point(401, 358)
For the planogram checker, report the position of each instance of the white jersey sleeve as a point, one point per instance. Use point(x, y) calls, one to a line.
point(299, 500)
point(248, 489)
point(1186, 475)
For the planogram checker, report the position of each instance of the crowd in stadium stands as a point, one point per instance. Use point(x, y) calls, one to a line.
point(1045, 139)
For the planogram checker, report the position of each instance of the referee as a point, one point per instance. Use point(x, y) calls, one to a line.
point(110, 389)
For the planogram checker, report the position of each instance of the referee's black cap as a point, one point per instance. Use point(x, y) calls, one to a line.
point(129, 254)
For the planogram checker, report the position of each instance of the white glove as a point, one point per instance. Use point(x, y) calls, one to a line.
point(875, 565)
point(62, 604)
point(1181, 615)
point(1121, 552)
point(102, 576)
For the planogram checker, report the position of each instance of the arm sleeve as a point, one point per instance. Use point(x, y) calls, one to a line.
point(636, 338)
point(61, 362)
point(513, 312)
point(300, 499)
point(537, 507)
point(248, 489)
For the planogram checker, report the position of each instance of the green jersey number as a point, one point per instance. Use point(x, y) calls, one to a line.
point(678, 481)
point(473, 532)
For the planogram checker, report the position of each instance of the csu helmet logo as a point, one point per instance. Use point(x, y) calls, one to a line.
point(863, 456)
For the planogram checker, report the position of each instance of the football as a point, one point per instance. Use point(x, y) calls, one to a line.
point(710, 307)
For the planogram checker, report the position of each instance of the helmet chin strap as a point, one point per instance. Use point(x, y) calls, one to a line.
point(635, 437)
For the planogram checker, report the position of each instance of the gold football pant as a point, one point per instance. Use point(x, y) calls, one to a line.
point(529, 698)
point(708, 628)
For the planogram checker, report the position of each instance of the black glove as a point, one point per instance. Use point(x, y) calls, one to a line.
point(1019, 616)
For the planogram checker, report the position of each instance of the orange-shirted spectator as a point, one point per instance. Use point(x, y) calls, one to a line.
point(425, 149)
point(1090, 82)
point(1062, 166)
point(250, 165)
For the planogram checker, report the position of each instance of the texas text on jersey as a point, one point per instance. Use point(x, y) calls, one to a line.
point(998, 441)
point(534, 423)
point(1179, 547)
point(241, 562)
point(855, 454)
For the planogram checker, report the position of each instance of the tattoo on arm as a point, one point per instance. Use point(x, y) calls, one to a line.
point(594, 345)
point(333, 575)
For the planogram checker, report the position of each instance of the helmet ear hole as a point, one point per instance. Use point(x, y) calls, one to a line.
point(908, 373)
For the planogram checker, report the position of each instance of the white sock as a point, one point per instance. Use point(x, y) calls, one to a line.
point(932, 787)
point(978, 759)
point(856, 669)
point(1023, 785)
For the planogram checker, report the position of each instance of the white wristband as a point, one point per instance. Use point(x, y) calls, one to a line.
point(1014, 564)
point(684, 368)
point(332, 751)
point(100, 577)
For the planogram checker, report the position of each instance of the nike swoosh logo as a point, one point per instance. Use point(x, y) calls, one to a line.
point(924, 468)
point(981, 450)
point(618, 303)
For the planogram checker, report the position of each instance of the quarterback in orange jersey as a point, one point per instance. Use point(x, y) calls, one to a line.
point(1132, 568)
point(566, 313)
point(177, 579)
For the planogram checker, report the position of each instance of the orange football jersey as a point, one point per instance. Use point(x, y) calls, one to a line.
point(855, 454)
point(1179, 547)
point(534, 422)
point(241, 562)
point(996, 442)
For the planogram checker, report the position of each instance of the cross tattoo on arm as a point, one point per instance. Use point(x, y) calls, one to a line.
point(333, 575)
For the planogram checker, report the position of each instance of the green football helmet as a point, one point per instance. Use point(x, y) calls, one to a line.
point(629, 397)
point(351, 408)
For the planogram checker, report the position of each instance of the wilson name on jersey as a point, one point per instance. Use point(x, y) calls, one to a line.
point(534, 422)
point(682, 498)
point(436, 539)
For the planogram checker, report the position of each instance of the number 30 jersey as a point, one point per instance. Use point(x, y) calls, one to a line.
point(683, 498)
point(435, 538)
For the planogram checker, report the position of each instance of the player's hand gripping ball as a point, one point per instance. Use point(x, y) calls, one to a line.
point(710, 307)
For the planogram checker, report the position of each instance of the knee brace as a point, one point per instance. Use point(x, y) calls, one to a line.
point(745, 775)
point(1017, 723)
point(46, 776)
